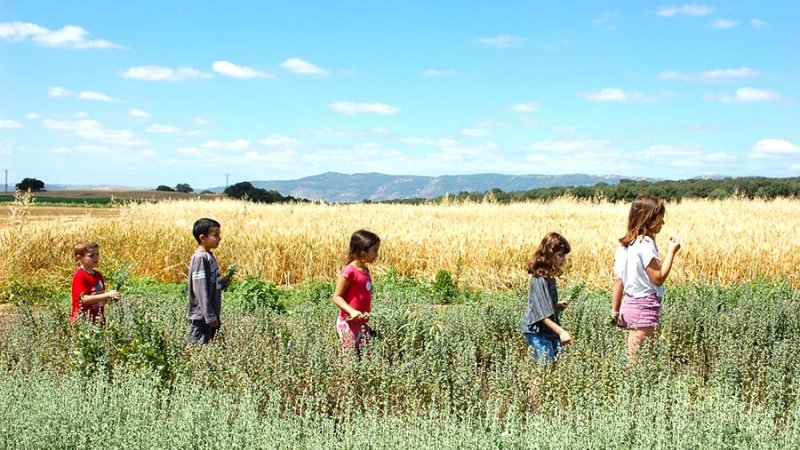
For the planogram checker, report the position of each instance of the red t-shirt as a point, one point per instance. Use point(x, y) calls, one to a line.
point(359, 291)
point(87, 283)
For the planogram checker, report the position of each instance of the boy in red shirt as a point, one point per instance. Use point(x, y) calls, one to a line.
point(89, 294)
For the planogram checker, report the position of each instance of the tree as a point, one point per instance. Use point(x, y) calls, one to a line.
point(165, 188)
point(30, 184)
point(258, 195)
point(184, 187)
point(238, 190)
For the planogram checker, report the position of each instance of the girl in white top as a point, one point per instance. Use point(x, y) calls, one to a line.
point(640, 274)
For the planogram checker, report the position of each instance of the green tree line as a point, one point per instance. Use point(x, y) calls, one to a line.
point(627, 190)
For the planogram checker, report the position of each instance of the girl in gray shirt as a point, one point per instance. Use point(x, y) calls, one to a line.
point(540, 324)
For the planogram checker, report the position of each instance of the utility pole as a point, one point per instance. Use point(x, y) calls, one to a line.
point(226, 180)
point(6, 181)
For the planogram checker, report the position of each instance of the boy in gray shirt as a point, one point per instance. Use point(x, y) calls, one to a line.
point(205, 283)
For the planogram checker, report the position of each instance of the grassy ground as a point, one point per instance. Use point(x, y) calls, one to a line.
point(723, 373)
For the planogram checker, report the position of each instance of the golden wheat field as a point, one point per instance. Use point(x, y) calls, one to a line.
point(485, 245)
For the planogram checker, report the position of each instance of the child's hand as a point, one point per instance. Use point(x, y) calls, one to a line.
point(565, 338)
point(228, 277)
point(674, 244)
point(114, 295)
point(226, 281)
point(355, 315)
point(560, 306)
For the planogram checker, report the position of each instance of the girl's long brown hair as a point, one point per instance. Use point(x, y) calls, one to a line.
point(541, 264)
point(645, 211)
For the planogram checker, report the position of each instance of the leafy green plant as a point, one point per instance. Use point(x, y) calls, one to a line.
point(119, 276)
point(444, 288)
point(451, 377)
point(252, 293)
point(30, 292)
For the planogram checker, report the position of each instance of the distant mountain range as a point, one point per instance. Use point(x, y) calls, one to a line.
point(339, 187)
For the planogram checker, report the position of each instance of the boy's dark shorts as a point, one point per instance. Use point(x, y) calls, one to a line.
point(200, 332)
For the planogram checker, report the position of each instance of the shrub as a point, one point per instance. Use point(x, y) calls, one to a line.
point(444, 289)
point(30, 292)
point(252, 294)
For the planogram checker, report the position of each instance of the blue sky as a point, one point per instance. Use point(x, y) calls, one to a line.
point(167, 92)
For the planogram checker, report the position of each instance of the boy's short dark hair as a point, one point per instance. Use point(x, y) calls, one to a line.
point(202, 226)
point(83, 247)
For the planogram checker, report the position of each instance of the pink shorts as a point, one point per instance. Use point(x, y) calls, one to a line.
point(353, 335)
point(640, 312)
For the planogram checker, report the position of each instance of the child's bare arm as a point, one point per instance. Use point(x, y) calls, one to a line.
point(657, 271)
point(341, 287)
point(107, 296)
point(565, 338)
point(616, 297)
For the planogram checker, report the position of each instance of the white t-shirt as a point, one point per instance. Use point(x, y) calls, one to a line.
point(630, 263)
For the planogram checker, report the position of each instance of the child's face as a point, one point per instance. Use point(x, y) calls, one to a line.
point(559, 259)
point(659, 223)
point(212, 239)
point(90, 259)
point(372, 253)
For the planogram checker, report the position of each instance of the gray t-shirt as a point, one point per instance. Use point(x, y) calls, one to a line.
point(205, 287)
point(542, 300)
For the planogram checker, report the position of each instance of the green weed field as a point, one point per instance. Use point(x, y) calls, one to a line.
point(723, 375)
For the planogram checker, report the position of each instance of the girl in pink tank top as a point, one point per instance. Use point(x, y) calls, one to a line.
point(353, 292)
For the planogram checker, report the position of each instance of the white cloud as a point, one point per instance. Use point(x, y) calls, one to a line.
point(525, 107)
point(711, 76)
point(162, 129)
point(279, 140)
point(7, 123)
point(159, 73)
point(200, 121)
point(746, 95)
point(272, 156)
point(188, 150)
point(237, 144)
point(501, 41)
point(95, 96)
point(439, 72)
point(722, 24)
point(474, 132)
point(566, 129)
point(687, 10)
point(619, 96)
point(139, 114)
point(70, 36)
point(483, 153)
point(767, 148)
point(334, 132)
point(93, 130)
point(605, 21)
point(33, 116)
point(236, 71)
point(758, 23)
point(302, 67)
point(58, 92)
point(570, 145)
point(352, 108)
point(601, 156)
point(432, 142)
